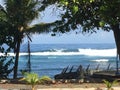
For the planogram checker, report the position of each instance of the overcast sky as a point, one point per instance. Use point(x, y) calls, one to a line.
point(99, 37)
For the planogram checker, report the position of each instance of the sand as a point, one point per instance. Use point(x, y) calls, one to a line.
point(15, 85)
point(75, 86)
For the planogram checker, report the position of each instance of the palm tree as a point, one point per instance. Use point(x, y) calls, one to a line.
point(29, 62)
point(20, 14)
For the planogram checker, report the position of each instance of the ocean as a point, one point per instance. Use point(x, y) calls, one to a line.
point(50, 59)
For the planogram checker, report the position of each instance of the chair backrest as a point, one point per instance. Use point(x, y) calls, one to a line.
point(71, 69)
point(65, 69)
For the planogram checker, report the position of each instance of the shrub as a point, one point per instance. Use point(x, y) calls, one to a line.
point(6, 61)
point(109, 85)
point(45, 80)
point(5, 66)
point(32, 79)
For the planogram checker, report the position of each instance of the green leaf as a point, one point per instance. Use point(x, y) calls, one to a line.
point(109, 84)
point(64, 2)
point(102, 23)
point(75, 8)
point(74, 1)
point(92, 1)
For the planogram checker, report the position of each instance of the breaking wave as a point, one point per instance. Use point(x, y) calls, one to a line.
point(87, 52)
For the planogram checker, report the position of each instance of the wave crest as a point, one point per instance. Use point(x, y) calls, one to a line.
point(97, 52)
point(87, 52)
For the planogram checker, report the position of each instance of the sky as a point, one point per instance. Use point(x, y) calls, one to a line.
point(72, 38)
point(69, 38)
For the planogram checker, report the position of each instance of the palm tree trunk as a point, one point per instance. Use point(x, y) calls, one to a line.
point(29, 63)
point(16, 59)
point(116, 30)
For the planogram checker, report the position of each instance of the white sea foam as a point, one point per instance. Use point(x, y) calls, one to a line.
point(51, 57)
point(100, 60)
point(87, 52)
point(12, 54)
point(96, 52)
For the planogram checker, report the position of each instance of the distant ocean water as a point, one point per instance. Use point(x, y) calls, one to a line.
point(50, 59)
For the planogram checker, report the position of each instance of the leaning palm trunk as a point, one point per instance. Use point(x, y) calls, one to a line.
point(116, 31)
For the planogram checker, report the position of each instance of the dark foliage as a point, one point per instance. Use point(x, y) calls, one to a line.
point(6, 65)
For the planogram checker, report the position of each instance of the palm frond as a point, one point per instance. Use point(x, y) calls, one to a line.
point(41, 28)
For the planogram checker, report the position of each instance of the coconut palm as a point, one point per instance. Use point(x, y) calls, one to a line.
point(19, 15)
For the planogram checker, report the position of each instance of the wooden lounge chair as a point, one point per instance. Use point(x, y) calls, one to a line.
point(71, 74)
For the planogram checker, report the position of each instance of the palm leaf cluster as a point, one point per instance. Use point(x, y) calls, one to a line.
point(18, 15)
point(32, 79)
point(109, 84)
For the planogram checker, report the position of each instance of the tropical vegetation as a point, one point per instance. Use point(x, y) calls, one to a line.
point(32, 79)
point(16, 18)
point(109, 84)
point(6, 66)
point(6, 61)
point(45, 80)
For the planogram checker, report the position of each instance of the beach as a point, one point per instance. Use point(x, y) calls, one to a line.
point(96, 84)
point(83, 86)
